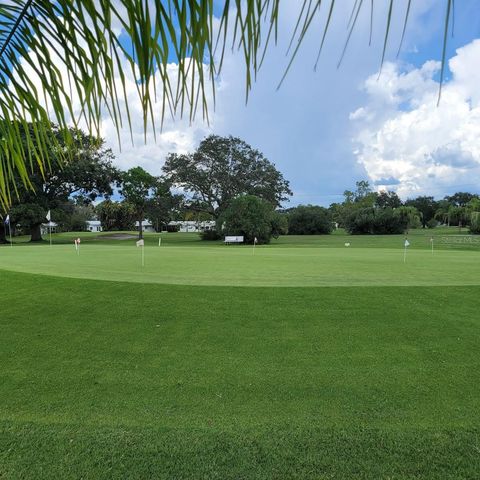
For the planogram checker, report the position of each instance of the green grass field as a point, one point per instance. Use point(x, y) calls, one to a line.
point(307, 360)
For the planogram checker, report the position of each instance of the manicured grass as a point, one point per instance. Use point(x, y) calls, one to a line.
point(148, 379)
point(231, 265)
point(445, 238)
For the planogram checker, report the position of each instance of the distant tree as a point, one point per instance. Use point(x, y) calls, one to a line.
point(379, 221)
point(279, 224)
point(87, 171)
point(442, 212)
point(163, 206)
point(363, 197)
point(77, 221)
point(223, 168)
point(452, 215)
point(427, 207)
point(30, 215)
point(388, 199)
point(116, 215)
point(410, 215)
point(137, 187)
point(474, 205)
point(460, 199)
point(309, 220)
point(475, 222)
point(250, 216)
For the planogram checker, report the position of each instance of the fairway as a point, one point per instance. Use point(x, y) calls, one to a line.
point(341, 363)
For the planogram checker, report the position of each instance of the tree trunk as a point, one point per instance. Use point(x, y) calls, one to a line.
point(140, 229)
point(36, 233)
point(3, 233)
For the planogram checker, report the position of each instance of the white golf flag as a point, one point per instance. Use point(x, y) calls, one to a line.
point(407, 243)
point(255, 240)
point(7, 220)
point(140, 243)
point(49, 217)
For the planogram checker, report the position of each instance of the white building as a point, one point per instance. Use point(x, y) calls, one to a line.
point(48, 227)
point(146, 226)
point(94, 226)
point(191, 226)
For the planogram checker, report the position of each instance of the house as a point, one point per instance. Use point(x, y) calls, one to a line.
point(93, 226)
point(191, 226)
point(147, 226)
point(48, 227)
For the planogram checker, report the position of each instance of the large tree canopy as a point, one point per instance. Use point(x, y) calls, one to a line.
point(86, 173)
point(223, 168)
point(90, 50)
point(137, 187)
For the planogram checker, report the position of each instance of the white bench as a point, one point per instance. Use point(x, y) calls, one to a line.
point(233, 239)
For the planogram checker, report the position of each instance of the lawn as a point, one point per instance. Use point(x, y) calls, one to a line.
point(180, 370)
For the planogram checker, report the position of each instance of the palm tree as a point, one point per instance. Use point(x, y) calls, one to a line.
point(86, 50)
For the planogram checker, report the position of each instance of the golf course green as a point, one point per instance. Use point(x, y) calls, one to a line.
point(303, 359)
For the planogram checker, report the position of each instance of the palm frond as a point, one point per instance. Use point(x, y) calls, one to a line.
point(56, 55)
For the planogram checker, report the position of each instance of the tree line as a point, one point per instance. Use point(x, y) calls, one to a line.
point(224, 180)
point(366, 211)
point(197, 186)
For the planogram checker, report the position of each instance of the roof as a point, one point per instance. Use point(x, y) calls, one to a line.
point(94, 223)
point(145, 223)
point(192, 222)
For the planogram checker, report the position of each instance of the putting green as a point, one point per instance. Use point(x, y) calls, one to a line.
point(237, 266)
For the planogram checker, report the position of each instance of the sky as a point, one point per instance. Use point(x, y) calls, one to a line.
point(327, 129)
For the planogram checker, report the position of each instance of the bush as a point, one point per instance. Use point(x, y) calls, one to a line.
point(432, 223)
point(279, 224)
point(309, 220)
point(249, 216)
point(377, 221)
point(210, 235)
point(475, 222)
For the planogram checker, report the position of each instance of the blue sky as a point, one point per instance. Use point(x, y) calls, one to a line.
point(326, 129)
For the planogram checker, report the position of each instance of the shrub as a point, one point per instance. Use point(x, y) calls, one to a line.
point(279, 224)
point(432, 223)
point(475, 222)
point(377, 221)
point(249, 216)
point(210, 235)
point(309, 220)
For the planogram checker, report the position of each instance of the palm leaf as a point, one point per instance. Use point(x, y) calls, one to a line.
point(88, 49)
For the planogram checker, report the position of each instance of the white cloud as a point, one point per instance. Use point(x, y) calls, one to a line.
point(304, 127)
point(403, 135)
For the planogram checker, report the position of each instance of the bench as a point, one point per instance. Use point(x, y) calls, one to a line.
point(233, 239)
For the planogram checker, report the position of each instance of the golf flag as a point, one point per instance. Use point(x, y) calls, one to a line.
point(255, 240)
point(141, 243)
point(406, 244)
point(49, 216)
point(7, 220)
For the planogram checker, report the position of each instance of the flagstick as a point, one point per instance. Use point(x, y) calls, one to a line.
point(143, 255)
point(10, 233)
point(253, 253)
point(159, 241)
point(405, 254)
point(50, 230)
point(432, 245)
